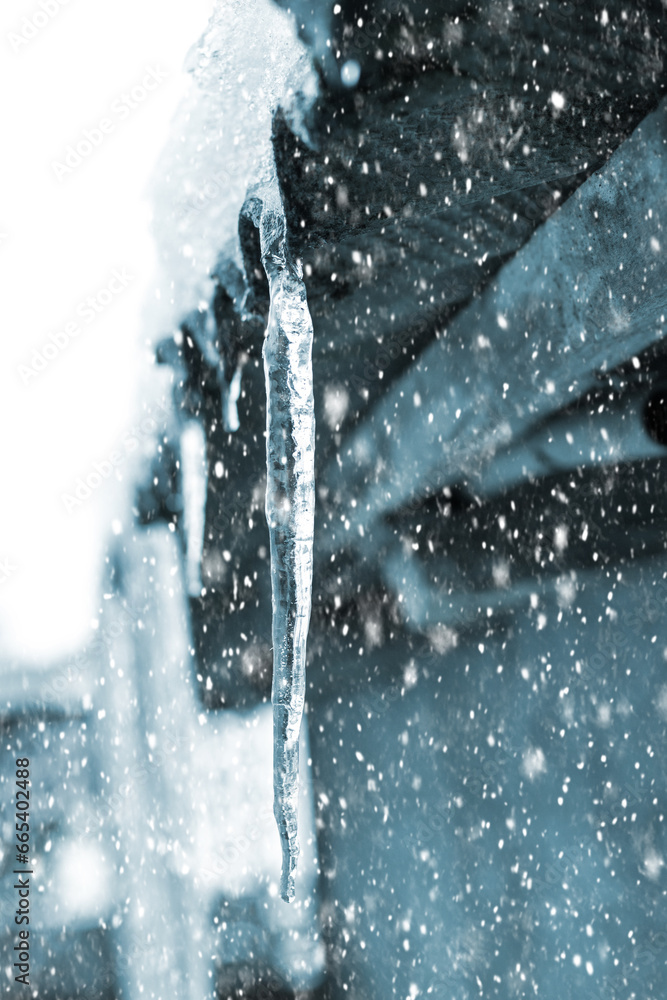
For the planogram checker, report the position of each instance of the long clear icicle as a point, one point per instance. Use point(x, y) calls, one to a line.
point(290, 510)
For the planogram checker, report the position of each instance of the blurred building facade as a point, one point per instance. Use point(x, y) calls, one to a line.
point(477, 196)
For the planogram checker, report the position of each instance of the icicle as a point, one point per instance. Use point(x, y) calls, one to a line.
point(201, 326)
point(230, 392)
point(290, 508)
point(194, 474)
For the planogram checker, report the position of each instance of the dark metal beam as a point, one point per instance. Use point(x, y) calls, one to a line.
point(587, 291)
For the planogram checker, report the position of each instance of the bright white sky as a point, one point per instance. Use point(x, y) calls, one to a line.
point(60, 242)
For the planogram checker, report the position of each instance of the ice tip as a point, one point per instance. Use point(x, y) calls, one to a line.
point(287, 889)
point(288, 872)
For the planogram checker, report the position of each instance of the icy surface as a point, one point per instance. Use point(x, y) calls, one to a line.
point(247, 61)
point(290, 506)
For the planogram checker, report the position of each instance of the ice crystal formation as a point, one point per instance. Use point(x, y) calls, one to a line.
point(290, 510)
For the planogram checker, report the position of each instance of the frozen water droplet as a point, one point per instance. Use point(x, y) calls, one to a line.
point(350, 73)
